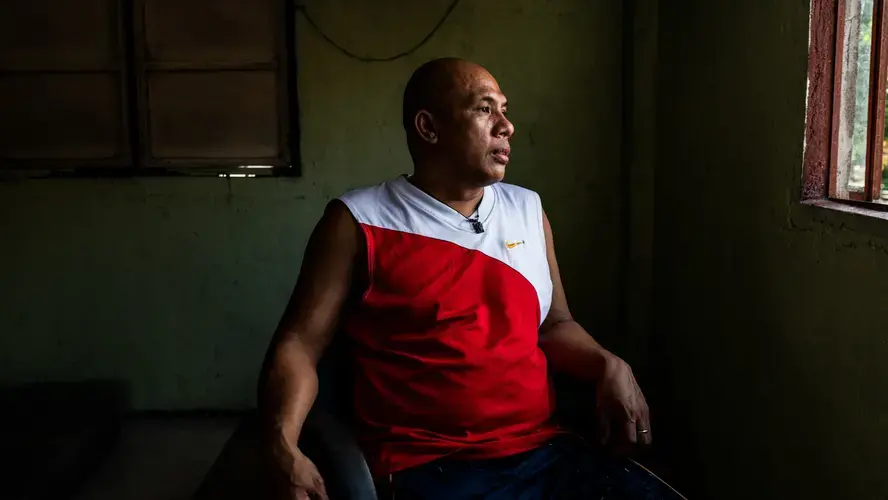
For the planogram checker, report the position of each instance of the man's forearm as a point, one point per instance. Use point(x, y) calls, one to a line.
point(288, 389)
point(571, 350)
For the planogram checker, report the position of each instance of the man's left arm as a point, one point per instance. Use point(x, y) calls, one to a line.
point(569, 349)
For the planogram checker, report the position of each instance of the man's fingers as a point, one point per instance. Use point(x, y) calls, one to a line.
point(604, 427)
point(630, 431)
point(644, 428)
point(318, 495)
point(314, 493)
point(320, 492)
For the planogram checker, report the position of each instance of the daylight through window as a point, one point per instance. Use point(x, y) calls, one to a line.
point(859, 160)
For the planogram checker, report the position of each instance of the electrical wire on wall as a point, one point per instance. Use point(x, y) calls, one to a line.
point(301, 8)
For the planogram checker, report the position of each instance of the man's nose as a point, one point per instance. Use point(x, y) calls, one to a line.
point(504, 127)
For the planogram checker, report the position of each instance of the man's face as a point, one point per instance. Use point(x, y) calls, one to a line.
point(476, 133)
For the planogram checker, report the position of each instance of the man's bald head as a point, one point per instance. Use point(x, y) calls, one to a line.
point(455, 117)
point(434, 86)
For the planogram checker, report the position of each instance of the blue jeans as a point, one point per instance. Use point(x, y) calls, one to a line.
point(565, 468)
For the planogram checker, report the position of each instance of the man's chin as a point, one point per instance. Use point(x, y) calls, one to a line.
point(495, 172)
point(490, 180)
point(485, 175)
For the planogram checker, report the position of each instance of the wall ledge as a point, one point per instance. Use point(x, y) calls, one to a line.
point(878, 213)
point(842, 216)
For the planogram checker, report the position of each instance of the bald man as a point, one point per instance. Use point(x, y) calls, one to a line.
point(447, 284)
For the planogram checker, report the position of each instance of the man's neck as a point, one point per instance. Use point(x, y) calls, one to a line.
point(463, 199)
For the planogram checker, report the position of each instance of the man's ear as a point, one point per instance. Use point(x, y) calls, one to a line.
point(425, 126)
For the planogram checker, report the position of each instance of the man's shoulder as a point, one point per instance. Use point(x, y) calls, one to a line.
point(365, 194)
point(363, 191)
point(516, 193)
point(515, 188)
point(371, 202)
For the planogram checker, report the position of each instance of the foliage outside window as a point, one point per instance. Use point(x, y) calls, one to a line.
point(859, 162)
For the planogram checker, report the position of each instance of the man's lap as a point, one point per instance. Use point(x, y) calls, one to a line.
point(565, 468)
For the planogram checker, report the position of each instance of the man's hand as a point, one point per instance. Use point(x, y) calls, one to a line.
point(300, 478)
point(288, 383)
point(623, 415)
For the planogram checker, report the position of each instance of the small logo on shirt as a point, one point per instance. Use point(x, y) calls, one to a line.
point(512, 244)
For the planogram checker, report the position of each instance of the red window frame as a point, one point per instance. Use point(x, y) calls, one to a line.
point(820, 167)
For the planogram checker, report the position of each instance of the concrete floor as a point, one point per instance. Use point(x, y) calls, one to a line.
point(160, 458)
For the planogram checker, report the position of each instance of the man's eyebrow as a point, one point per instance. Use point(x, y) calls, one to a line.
point(493, 100)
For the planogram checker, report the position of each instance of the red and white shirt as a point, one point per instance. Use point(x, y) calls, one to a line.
point(446, 335)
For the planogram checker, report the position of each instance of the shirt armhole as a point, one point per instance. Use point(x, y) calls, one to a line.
point(368, 242)
point(545, 252)
point(540, 225)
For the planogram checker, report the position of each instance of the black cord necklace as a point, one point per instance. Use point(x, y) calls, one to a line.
point(474, 219)
point(477, 225)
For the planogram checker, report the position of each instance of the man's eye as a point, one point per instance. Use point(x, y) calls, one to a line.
point(505, 112)
point(484, 109)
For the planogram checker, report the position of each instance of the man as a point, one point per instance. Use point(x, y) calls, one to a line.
point(448, 285)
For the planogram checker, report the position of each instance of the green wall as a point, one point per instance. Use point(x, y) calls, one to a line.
point(770, 340)
point(639, 161)
point(767, 342)
point(175, 285)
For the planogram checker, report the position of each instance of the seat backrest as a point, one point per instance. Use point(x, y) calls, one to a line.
point(329, 439)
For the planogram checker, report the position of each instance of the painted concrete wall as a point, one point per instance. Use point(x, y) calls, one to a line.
point(640, 162)
point(175, 285)
point(770, 340)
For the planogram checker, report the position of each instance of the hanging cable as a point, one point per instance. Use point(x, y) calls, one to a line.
point(301, 8)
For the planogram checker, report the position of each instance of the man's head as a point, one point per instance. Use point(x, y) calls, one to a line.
point(455, 118)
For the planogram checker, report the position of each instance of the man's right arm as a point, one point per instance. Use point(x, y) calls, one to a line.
point(288, 383)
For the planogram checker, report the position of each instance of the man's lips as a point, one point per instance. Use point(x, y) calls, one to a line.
point(501, 155)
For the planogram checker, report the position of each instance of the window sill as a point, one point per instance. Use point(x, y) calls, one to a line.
point(843, 216)
point(868, 210)
point(260, 171)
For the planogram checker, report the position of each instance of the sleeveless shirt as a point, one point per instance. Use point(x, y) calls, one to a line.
point(445, 339)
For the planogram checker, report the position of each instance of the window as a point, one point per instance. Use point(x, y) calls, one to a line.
point(151, 86)
point(846, 154)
